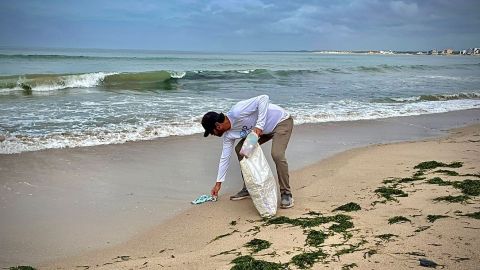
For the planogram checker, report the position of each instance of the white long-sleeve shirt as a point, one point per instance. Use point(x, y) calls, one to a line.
point(244, 116)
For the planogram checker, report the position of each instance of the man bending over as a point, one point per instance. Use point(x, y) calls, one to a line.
point(269, 122)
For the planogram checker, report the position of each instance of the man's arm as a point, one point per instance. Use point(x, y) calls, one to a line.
point(262, 105)
point(223, 164)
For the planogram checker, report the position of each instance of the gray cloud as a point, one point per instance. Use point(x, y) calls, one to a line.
point(242, 25)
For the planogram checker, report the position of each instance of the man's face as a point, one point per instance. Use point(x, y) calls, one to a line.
point(218, 130)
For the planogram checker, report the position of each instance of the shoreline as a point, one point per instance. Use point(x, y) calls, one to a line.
point(119, 199)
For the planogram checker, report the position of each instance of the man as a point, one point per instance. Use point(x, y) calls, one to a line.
point(269, 122)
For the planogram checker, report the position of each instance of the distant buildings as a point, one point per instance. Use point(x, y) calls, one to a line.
point(450, 51)
point(447, 51)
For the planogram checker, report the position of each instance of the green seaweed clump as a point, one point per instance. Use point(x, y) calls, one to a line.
point(349, 266)
point(389, 193)
point(453, 199)
point(439, 181)
point(469, 187)
point(419, 174)
point(249, 263)
point(472, 174)
point(308, 222)
point(308, 259)
point(428, 165)
point(316, 238)
point(349, 207)
point(409, 179)
point(387, 236)
point(398, 219)
point(22, 267)
point(342, 226)
point(258, 244)
point(432, 218)
point(447, 172)
point(475, 215)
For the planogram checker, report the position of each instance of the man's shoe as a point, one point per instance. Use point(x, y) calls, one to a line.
point(242, 194)
point(287, 201)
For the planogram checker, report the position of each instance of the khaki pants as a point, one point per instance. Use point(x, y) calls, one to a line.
point(280, 137)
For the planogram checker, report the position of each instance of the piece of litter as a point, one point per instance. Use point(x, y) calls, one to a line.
point(204, 198)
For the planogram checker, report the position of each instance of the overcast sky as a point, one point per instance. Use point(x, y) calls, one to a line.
point(243, 25)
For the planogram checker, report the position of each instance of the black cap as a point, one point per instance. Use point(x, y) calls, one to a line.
point(209, 120)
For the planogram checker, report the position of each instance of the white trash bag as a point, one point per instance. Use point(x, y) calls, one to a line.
point(260, 182)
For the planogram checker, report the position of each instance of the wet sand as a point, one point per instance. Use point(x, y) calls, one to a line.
point(134, 198)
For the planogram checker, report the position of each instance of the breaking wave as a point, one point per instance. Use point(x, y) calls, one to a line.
point(432, 97)
point(158, 79)
point(46, 82)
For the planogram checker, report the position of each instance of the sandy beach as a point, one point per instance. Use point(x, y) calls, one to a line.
point(90, 208)
point(212, 235)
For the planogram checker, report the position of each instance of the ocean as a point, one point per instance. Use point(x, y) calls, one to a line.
point(59, 98)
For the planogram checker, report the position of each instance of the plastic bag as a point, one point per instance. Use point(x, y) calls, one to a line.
point(249, 144)
point(260, 182)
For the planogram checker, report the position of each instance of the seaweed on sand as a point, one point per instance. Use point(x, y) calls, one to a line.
point(439, 181)
point(22, 267)
point(349, 207)
point(419, 175)
point(432, 218)
point(475, 215)
point(249, 263)
point(308, 259)
point(351, 249)
point(428, 165)
point(387, 236)
point(447, 172)
point(255, 230)
point(453, 199)
point(315, 238)
point(410, 179)
point(398, 219)
point(390, 193)
point(422, 228)
point(258, 244)
point(469, 187)
point(223, 235)
point(349, 266)
point(472, 174)
point(342, 226)
point(308, 222)
point(231, 251)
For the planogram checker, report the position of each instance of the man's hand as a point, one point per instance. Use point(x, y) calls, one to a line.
point(258, 131)
point(216, 188)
